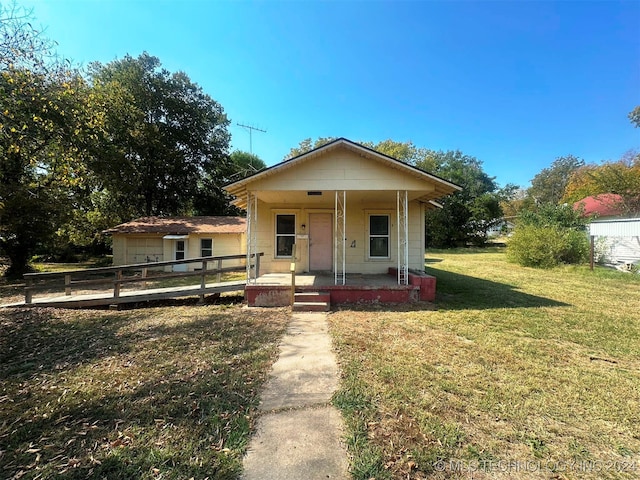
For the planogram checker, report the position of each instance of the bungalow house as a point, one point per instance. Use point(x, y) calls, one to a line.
point(349, 210)
point(156, 239)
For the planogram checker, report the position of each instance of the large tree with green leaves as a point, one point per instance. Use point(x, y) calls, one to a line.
point(549, 185)
point(45, 127)
point(245, 163)
point(465, 216)
point(165, 135)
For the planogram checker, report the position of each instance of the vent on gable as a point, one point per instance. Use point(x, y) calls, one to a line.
point(314, 193)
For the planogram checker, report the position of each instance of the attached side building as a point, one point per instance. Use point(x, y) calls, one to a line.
point(156, 239)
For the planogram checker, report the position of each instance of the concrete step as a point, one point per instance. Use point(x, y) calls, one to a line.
point(313, 297)
point(311, 306)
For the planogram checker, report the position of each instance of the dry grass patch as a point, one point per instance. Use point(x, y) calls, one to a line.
point(166, 392)
point(519, 372)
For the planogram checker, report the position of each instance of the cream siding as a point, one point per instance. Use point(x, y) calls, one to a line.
point(357, 235)
point(128, 249)
point(342, 170)
point(138, 248)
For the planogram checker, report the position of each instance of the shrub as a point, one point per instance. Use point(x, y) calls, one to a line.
point(547, 246)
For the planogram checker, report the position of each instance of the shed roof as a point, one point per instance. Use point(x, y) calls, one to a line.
point(441, 187)
point(181, 225)
point(623, 227)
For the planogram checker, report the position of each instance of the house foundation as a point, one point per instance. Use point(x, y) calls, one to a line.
point(274, 290)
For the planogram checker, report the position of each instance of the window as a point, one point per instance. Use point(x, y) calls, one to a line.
point(206, 247)
point(285, 235)
point(379, 236)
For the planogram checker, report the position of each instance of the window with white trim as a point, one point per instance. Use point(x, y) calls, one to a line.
point(206, 247)
point(285, 234)
point(379, 236)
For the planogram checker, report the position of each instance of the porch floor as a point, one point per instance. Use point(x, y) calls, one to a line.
point(327, 280)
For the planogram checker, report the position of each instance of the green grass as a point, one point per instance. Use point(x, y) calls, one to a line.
point(533, 368)
point(166, 392)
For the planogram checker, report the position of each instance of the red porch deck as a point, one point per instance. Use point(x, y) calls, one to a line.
point(274, 289)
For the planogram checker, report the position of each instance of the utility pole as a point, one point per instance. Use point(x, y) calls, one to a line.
point(251, 129)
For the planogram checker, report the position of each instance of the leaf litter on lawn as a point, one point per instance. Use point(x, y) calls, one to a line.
point(165, 392)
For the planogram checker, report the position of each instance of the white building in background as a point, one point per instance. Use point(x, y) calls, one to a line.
point(616, 241)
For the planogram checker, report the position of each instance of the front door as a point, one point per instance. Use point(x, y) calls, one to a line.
point(180, 254)
point(320, 242)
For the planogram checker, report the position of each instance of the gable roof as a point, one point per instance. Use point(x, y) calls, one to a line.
point(603, 205)
point(442, 187)
point(181, 225)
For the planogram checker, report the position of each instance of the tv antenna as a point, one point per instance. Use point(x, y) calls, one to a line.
point(251, 129)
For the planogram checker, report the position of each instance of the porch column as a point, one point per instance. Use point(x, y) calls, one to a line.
point(252, 229)
point(340, 238)
point(403, 237)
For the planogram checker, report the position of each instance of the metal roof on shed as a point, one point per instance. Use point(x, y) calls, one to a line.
point(629, 227)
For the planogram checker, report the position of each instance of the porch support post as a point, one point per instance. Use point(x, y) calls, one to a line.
point(340, 238)
point(252, 228)
point(403, 237)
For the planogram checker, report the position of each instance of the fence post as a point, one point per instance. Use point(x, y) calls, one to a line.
point(28, 291)
point(145, 272)
point(67, 284)
point(219, 278)
point(203, 280)
point(116, 284)
point(257, 265)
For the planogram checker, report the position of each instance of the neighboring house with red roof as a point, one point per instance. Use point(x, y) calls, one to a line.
point(157, 239)
point(605, 205)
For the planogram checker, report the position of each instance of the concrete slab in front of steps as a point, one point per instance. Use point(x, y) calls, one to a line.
point(295, 445)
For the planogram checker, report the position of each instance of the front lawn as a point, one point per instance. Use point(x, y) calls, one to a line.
point(517, 372)
point(166, 392)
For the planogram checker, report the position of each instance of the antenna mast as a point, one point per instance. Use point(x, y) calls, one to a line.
point(251, 129)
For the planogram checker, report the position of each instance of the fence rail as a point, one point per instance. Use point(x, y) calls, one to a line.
point(113, 278)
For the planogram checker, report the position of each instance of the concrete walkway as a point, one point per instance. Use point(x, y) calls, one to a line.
point(299, 433)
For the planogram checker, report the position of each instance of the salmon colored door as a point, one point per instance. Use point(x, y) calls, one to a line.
point(320, 242)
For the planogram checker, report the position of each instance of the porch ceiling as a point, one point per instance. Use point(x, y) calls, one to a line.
point(327, 197)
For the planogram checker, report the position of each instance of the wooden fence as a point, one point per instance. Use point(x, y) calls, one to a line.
point(113, 278)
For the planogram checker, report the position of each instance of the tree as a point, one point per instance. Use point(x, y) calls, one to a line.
point(307, 145)
point(549, 185)
point(245, 164)
point(467, 215)
point(634, 116)
point(406, 152)
point(621, 177)
point(45, 126)
point(515, 203)
point(164, 136)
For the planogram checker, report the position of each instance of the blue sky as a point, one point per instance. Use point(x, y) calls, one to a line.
point(513, 83)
